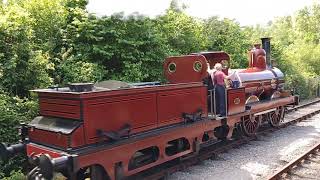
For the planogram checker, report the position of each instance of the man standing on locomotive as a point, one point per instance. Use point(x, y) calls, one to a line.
point(218, 80)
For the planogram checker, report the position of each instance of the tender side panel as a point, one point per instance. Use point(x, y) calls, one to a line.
point(172, 103)
point(112, 113)
point(60, 107)
point(76, 139)
point(142, 111)
point(47, 137)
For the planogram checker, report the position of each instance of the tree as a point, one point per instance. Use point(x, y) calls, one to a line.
point(184, 34)
point(22, 67)
point(226, 35)
point(129, 48)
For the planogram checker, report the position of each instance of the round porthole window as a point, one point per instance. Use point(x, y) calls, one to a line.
point(197, 66)
point(172, 67)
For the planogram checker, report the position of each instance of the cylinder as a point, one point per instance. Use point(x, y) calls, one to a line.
point(266, 46)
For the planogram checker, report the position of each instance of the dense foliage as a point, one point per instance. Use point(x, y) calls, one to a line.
point(14, 110)
point(49, 42)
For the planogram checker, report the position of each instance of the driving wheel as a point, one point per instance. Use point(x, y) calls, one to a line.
point(275, 117)
point(250, 124)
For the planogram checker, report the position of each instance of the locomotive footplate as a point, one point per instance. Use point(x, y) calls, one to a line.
point(271, 104)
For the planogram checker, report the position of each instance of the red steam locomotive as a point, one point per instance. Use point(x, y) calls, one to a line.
point(114, 130)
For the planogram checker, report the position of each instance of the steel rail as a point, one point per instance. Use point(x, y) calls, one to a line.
point(180, 164)
point(304, 105)
point(285, 169)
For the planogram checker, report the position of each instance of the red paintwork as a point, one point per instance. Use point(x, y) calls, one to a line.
point(48, 137)
point(234, 106)
point(124, 152)
point(171, 104)
point(215, 56)
point(143, 108)
point(185, 69)
point(76, 138)
point(111, 113)
point(33, 150)
point(257, 58)
point(185, 66)
point(259, 107)
point(143, 111)
point(59, 108)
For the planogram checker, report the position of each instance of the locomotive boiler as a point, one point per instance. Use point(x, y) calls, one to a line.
point(114, 130)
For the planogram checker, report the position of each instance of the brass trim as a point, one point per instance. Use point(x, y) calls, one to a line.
point(174, 65)
point(236, 101)
point(196, 68)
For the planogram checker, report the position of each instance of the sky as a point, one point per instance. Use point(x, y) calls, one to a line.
point(246, 12)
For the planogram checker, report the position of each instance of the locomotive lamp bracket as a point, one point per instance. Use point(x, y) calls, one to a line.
point(192, 117)
point(115, 135)
point(23, 131)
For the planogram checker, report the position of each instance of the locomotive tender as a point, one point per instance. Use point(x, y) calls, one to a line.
point(115, 131)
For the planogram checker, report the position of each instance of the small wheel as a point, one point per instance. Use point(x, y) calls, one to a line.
point(250, 125)
point(83, 174)
point(275, 117)
point(92, 172)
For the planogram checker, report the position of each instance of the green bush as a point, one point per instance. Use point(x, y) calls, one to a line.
point(14, 111)
point(15, 175)
point(72, 71)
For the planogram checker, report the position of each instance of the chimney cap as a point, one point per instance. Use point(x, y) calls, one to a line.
point(266, 38)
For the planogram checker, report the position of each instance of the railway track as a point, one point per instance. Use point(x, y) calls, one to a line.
point(162, 171)
point(288, 167)
point(317, 100)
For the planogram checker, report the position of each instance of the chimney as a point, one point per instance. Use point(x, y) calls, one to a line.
point(266, 46)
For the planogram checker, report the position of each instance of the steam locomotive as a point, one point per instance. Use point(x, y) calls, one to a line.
point(114, 130)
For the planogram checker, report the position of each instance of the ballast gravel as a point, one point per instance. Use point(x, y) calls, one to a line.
point(260, 158)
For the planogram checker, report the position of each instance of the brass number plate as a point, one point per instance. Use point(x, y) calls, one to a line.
point(236, 101)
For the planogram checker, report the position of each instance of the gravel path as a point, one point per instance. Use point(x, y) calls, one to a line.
point(262, 157)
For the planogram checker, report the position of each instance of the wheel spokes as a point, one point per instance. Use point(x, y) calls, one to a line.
point(250, 125)
point(275, 117)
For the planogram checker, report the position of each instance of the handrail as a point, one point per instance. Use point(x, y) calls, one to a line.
point(213, 109)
